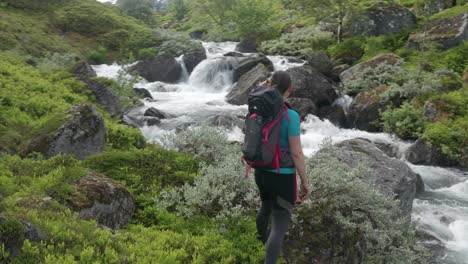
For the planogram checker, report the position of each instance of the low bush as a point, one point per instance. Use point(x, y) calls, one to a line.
point(347, 52)
point(300, 42)
point(97, 55)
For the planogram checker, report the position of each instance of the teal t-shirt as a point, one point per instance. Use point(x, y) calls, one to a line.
point(289, 128)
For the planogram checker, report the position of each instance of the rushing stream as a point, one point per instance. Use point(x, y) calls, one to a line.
point(442, 211)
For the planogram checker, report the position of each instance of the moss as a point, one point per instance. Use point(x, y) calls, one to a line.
point(451, 12)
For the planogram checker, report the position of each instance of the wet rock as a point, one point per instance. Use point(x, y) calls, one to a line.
point(381, 19)
point(391, 176)
point(104, 96)
point(311, 84)
point(234, 54)
point(303, 106)
point(294, 60)
point(420, 188)
point(448, 32)
point(197, 34)
point(163, 68)
point(193, 58)
point(83, 134)
point(83, 69)
point(153, 112)
point(364, 111)
point(102, 199)
point(226, 121)
point(144, 92)
point(131, 121)
point(16, 232)
point(240, 91)
point(424, 153)
point(321, 62)
point(248, 45)
point(446, 220)
point(248, 63)
point(151, 121)
point(334, 114)
point(350, 74)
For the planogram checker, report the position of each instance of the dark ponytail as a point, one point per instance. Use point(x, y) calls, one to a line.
point(281, 80)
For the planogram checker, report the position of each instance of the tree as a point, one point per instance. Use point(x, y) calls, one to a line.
point(140, 9)
point(216, 10)
point(179, 8)
point(333, 11)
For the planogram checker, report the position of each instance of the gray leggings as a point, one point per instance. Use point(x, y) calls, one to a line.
point(280, 219)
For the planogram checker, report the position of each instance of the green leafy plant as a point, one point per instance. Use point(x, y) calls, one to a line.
point(406, 122)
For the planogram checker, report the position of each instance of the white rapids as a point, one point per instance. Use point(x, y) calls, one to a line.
point(442, 211)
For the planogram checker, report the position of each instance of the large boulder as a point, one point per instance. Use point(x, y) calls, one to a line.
point(308, 83)
point(303, 106)
point(448, 32)
point(240, 92)
point(424, 153)
point(381, 19)
point(83, 69)
point(162, 68)
point(364, 111)
point(104, 96)
point(102, 199)
point(83, 134)
point(15, 232)
point(248, 63)
point(334, 114)
point(193, 58)
point(248, 45)
point(391, 176)
point(321, 62)
point(350, 74)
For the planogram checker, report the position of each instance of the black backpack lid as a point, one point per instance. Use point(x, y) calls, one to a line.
point(265, 101)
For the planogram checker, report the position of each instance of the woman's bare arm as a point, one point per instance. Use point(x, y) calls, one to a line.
point(298, 157)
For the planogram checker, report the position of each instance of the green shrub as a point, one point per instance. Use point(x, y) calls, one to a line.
point(98, 55)
point(123, 137)
point(406, 122)
point(145, 171)
point(454, 11)
point(300, 42)
point(384, 44)
point(456, 58)
point(348, 51)
point(45, 5)
point(147, 53)
point(450, 135)
point(57, 61)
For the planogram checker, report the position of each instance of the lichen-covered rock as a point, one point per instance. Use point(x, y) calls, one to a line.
point(381, 19)
point(193, 58)
point(227, 121)
point(163, 68)
point(248, 63)
point(350, 74)
point(311, 84)
point(391, 176)
point(104, 96)
point(82, 134)
point(303, 106)
point(425, 153)
point(364, 111)
point(435, 6)
point(240, 92)
point(102, 199)
point(448, 32)
point(14, 232)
